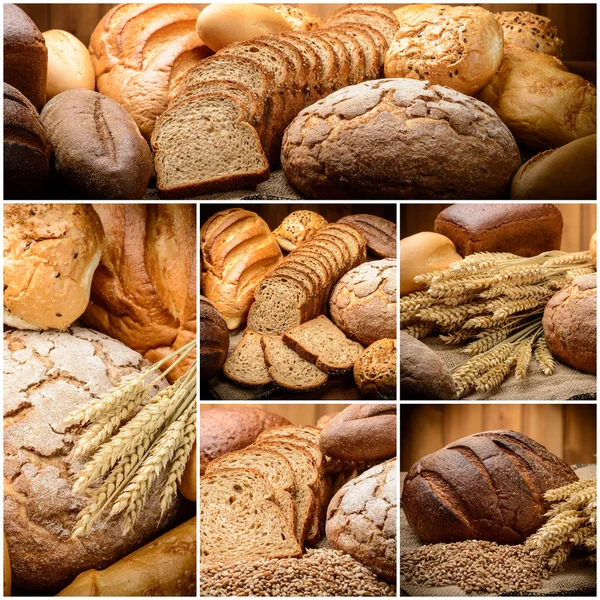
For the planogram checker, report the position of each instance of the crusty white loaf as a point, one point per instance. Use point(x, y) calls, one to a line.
point(238, 249)
point(530, 31)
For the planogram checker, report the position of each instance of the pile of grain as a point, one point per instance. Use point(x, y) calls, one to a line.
point(474, 566)
point(322, 572)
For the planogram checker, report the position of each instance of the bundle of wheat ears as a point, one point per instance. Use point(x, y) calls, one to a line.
point(128, 448)
point(494, 301)
point(571, 524)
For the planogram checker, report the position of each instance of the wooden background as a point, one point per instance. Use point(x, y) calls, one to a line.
point(579, 222)
point(576, 22)
point(298, 414)
point(274, 213)
point(567, 430)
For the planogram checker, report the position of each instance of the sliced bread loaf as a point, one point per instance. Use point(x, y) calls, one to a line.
point(246, 364)
point(322, 343)
point(288, 369)
point(240, 521)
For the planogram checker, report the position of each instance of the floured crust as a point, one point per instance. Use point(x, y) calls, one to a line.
point(46, 376)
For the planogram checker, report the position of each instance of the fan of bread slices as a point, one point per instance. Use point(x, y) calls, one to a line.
point(269, 499)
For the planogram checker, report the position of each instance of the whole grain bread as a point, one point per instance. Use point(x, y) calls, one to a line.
point(487, 486)
point(214, 340)
point(246, 365)
point(379, 233)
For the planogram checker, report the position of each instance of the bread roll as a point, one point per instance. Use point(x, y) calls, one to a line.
point(69, 63)
point(593, 247)
point(51, 252)
point(164, 567)
point(7, 571)
point(298, 18)
point(542, 104)
point(565, 173)
point(375, 370)
point(297, 228)
point(219, 25)
point(456, 46)
point(570, 324)
point(187, 485)
point(423, 253)
point(530, 31)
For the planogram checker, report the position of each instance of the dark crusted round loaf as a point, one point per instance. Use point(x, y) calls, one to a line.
point(399, 138)
point(570, 324)
point(361, 519)
point(214, 340)
point(487, 486)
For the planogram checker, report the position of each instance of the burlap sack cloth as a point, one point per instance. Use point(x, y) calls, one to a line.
point(564, 384)
point(577, 578)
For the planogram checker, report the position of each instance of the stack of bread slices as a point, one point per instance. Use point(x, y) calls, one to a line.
point(226, 119)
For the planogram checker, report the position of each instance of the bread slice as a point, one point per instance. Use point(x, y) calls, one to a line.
point(386, 24)
point(288, 369)
point(357, 55)
point(239, 520)
point(343, 58)
point(207, 146)
point(246, 364)
point(364, 37)
point(322, 343)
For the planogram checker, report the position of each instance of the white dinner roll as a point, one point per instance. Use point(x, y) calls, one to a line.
point(456, 46)
point(69, 64)
point(50, 254)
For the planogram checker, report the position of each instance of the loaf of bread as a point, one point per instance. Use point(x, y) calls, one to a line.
point(423, 375)
point(276, 76)
point(361, 432)
point(422, 253)
point(51, 252)
point(379, 233)
point(69, 63)
point(541, 102)
point(298, 18)
point(361, 519)
point(565, 173)
point(375, 370)
point(7, 571)
point(297, 228)
point(214, 340)
point(523, 229)
point(187, 485)
point(144, 290)
point(141, 52)
point(238, 250)
point(46, 376)
point(487, 486)
point(98, 150)
point(25, 56)
point(363, 302)
point(164, 567)
point(224, 430)
point(399, 138)
point(459, 47)
point(570, 325)
point(530, 31)
point(27, 151)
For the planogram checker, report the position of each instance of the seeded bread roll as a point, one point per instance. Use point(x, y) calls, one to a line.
point(375, 370)
point(487, 486)
point(456, 46)
point(399, 138)
point(570, 324)
point(530, 31)
point(541, 102)
point(298, 18)
point(523, 229)
point(297, 228)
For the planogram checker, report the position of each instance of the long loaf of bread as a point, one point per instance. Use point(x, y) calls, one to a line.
point(164, 567)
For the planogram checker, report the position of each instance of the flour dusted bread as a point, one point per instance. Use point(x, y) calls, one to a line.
point(240, 520)
point(51, 252)
point(456, 46)
point(530, 31)
point(46, 376)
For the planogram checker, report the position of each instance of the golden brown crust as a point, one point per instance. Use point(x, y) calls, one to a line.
point(530, 31)
point(298, 18)
point(375, 370)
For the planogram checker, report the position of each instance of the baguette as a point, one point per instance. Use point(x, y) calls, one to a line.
point(164, 567)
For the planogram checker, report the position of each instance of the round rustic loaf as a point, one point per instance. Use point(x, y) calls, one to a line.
point(361, 519)
point(363, 302)
point(456, 46)
point(530, 31)
point(570, 324)
point(214, 340)
point(399, 138)
point(46, 376)
point(375, 370)
point(423, 375)
point(487, 486)
point(51, 252)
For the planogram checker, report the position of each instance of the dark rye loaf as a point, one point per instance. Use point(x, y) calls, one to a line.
point(487, 486)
